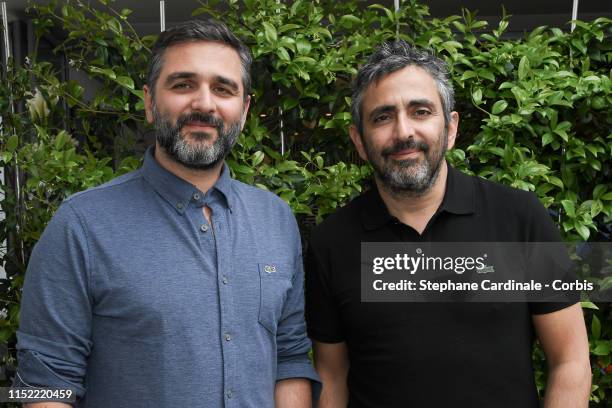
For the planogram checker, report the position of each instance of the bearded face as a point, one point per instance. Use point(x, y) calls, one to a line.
point(408, 175)
point(203, 151)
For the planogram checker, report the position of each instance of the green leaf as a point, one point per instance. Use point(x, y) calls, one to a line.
point(258, 157)
point(61, 139)
point(104, 71)
point(582, 231)
point(607, 197)
point(524, 67)
point(468, 75)
point(598, 191)
point(596, 327)
point(242, 168)
point(602, 349)
point(319, 161)
point(303, 46)
point(6, 157)
point(351, 19)
point(282, 54)
point(477, 96)
point(485, 73)
point(295, 6)
point(126, 82)
point(11, 143)
point(562, 129)
point(499, 107)
point(125, 12)
point(270, 32)
point(547, 138)
point(589, 305)
point(305, 59)
point(570, 208)
point(596, 208)
point(290, 103)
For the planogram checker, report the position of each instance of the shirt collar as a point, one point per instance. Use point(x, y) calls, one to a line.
point(458, 199)
point(179, 192)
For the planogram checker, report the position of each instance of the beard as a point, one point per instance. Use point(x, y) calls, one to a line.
point(195, 155)
point(412, 177)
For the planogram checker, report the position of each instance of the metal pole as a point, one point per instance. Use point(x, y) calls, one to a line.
point(574, 14)
point(282, 131)
point(7, 48)
point(397, 7)
point(280, 111)
point(162, 16)
point(7, 57)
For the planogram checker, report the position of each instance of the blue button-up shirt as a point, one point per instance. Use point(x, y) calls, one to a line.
point(133, 299)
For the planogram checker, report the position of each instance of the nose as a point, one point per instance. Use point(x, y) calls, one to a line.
point(203, 100)
point(404, 126)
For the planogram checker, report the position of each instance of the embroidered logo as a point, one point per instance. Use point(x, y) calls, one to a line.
point(270, 268)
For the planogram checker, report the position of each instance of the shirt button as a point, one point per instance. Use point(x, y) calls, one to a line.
point(225, 280)
point(204, 227)
point(227, 337)
point(229, 394)
point(179, 206)
point(196, 196)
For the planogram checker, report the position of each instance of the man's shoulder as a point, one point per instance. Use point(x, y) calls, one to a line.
point(342, 222)
point(110, 190)
point(259, 199)
point(501, 195)
point(517, 212)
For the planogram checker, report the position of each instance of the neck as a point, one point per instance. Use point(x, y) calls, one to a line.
point(416, 210)
point(203, 180)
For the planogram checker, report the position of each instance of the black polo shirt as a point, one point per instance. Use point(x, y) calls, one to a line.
point(428, 354)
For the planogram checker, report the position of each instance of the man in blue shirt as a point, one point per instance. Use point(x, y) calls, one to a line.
point(173, 285)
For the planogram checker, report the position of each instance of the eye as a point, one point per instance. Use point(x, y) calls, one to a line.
point(221, 90)
point(382, 118)
point(422, 112)
point(182, 85)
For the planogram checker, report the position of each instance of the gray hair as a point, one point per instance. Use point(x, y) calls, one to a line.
point(198, 30)
point(393, 56)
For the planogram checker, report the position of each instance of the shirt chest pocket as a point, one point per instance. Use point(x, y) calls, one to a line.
point(274, 286)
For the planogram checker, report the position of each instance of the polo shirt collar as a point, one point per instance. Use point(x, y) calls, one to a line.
point(179, 192)
point(458, 199)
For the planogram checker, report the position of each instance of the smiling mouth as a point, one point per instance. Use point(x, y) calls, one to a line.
point(198, 124)
point(405, 154)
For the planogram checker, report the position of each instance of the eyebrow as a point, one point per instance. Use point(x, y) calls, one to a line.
point(190, 75)
point(391, 108)
point(421, 102)
point(179, 75)
point(381, 109)
point(229, 82)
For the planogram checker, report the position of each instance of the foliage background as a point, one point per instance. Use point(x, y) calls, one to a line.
point(535, 114)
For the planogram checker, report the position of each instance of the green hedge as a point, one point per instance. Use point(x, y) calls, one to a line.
point(535, 114)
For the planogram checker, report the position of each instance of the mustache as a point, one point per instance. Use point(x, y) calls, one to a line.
point(405, 145)
point(199, 117)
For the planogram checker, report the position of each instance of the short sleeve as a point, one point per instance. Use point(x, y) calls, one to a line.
point(542, 230)
point(322, 318)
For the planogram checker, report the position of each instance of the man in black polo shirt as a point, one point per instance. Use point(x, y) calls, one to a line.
point(430, 354)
